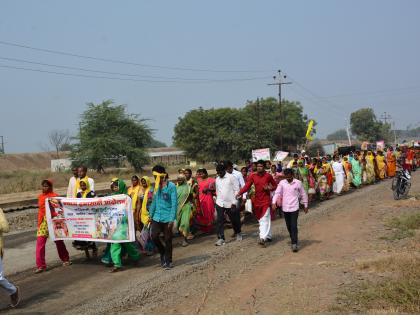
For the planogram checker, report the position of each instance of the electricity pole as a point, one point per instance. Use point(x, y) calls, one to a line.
point(279, 83)
point(395, 134)
point(348, 131)
point(1, 145)
point(385, 117)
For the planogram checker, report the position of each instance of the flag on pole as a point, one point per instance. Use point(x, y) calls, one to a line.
point(309, 131)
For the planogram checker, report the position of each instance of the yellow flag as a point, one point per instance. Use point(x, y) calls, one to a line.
point(308, 132)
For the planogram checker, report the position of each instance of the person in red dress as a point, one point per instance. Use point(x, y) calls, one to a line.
point(261, 204)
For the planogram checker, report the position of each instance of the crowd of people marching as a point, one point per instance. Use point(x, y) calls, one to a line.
point(201, 204)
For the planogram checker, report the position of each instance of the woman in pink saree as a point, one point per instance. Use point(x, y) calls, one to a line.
point(205, 215)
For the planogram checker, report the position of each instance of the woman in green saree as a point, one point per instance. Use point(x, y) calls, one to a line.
point(185, 208)
point(114, 251)
point(356, 170)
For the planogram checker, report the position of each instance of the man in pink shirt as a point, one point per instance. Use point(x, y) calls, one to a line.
point(289, 191)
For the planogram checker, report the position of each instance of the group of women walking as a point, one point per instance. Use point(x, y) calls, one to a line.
point(195, 196)
point(324, 176)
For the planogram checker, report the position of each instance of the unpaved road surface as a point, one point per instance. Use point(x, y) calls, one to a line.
point(238, 278)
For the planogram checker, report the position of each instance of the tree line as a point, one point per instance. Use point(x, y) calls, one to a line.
point(108, 133)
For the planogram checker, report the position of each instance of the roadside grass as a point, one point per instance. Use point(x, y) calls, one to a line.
point(403, 226)
point(397, 290)
point(21, 181)
point(30, 180)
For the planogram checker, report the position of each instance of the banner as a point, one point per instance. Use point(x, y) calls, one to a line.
point(280, 156)
point(106, 219)
point(261, 154)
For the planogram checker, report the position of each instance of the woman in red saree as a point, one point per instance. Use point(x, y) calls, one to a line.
point(205, 215)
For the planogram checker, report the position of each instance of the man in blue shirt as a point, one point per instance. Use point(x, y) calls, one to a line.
point(163, 214)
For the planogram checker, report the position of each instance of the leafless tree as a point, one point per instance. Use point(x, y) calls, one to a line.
point(58, 138)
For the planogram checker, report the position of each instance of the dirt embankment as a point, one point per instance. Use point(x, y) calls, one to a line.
point(28, 161)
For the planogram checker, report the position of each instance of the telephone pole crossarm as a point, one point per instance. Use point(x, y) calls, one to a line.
point(279, 83)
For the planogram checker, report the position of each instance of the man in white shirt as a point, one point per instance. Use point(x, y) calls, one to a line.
point(227, 188)
point(238, 175)
point(71, 189)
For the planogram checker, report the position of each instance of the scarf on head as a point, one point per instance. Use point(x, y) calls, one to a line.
point(41, 205)
point(133, 192)
point(87, 191)
point(122, 187)
point(159, 177)
point(146, 194)
point(78, 180)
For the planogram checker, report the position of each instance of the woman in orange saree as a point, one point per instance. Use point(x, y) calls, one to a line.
point(391, 160)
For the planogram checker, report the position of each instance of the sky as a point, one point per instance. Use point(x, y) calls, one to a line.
point(165, 58)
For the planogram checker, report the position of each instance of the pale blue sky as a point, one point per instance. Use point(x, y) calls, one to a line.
point(356, 53)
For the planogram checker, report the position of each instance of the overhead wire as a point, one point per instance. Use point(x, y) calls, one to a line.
point(126, 79)
point(127, 74)
point(109, 60)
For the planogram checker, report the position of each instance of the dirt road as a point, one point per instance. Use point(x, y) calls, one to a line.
point(238, 278)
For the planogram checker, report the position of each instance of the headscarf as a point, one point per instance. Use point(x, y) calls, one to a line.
point(41, 203)
point(122, 187)
point(159, 176)
point(78, 180)
point(146, 194)
point(85, 193)
point(133, 192)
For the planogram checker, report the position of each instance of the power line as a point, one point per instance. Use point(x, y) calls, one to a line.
point(57, 52)
point(124, 74)
point(315, 95)
point(378, 92)
point(126, 79)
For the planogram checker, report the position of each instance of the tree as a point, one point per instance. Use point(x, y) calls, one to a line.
point(209, 135)
point(231, 133)
point(156, 144)
point(58, 139)
point(108, 132)
point(340, 134)
point(366, 127)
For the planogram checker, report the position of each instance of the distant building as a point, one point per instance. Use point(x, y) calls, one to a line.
point(167, 156)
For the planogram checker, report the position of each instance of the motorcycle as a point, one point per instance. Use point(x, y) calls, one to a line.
point(401, 184)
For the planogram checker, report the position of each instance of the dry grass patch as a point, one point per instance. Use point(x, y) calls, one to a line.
point(404, 226)
point(397, 292)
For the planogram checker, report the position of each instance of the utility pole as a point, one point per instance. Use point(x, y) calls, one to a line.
point(385, 117)
point(279, 83)
point(395, 134)
point(257, 113)
point(348, 132)
point(1, 145)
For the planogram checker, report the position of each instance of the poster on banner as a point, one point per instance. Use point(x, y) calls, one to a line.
point(280, 156)
point(261, 154)
point(380, 145)
point(364, 145)
point(105, 219)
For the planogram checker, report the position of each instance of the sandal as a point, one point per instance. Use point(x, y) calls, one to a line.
point(115, 269)
point(67, 263)
point(39, 270)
